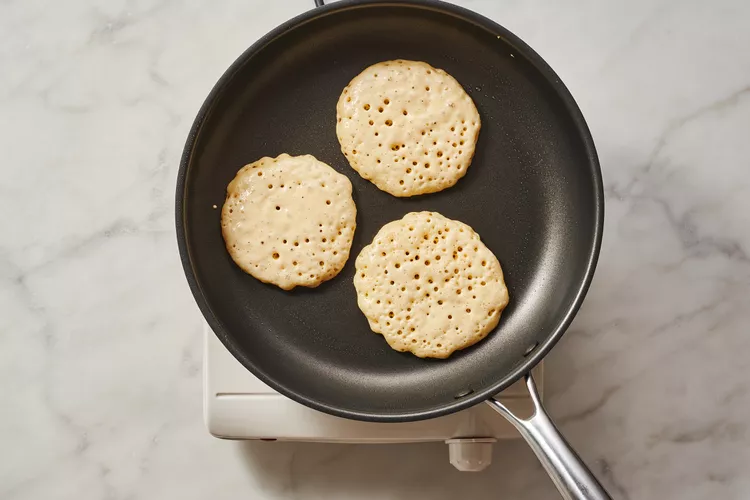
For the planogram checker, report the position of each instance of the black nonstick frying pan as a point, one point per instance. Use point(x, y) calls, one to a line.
point(533, 193)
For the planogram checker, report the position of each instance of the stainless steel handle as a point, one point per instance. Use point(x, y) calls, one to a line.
point(572, 478)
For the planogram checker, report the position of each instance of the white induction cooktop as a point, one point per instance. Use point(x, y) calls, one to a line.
point(239, 406)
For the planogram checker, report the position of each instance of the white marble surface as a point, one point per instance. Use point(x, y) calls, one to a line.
point(100, 341)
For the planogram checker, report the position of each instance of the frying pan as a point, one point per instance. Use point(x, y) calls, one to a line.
point(533, 193)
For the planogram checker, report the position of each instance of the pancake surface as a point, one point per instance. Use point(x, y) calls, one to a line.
point(429, 285)
point(289, 220)
point(407, 127)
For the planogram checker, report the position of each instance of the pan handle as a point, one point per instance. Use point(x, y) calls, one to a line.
point(572, 478)
point(319, 3)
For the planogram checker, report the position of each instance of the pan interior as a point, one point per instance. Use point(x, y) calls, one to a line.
point(531, 193)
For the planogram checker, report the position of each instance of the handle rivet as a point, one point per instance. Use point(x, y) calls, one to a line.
point(463, 394)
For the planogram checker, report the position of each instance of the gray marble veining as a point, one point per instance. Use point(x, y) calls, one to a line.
point(100, 341)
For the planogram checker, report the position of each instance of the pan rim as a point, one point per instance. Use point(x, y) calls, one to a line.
point(542, 349)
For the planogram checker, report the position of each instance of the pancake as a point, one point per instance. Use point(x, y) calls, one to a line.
point(429, 285)
point(407, 127)
point(289, 220)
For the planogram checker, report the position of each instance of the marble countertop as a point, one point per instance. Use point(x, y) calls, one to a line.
point(100, 340)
